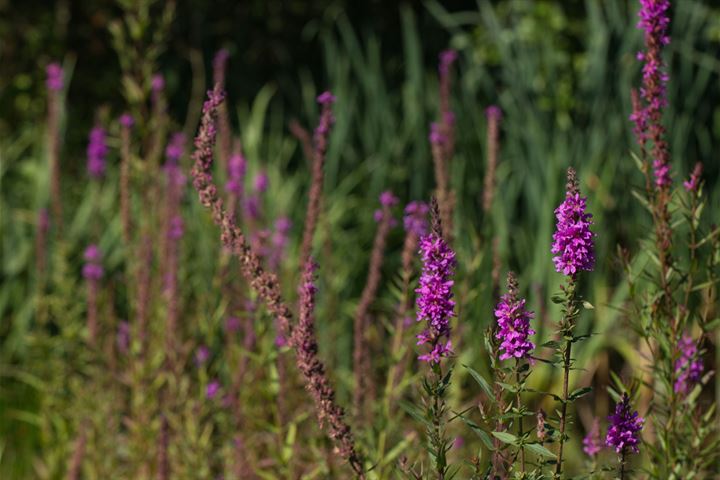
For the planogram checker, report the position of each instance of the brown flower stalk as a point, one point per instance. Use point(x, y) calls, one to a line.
point(303, 136)
point(144, 267)
point(266, 286)
point(163, 466)
point(322, 131)
point(78, 455)
point(330, 414)
point(362, 368)
point(43, 225)
point(224, 130)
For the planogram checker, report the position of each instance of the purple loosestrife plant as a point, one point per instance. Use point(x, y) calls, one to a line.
point(92, 272)
point(624, 431)
point(55, 84)
point(224, 150)
point(126, 124)
point(592, 443)
point(320, 145)
point(362, 366)
point(435, 306)
point(692, 184)
point(494, 116)
point(574, 249)
point(97, 151)
point(513, 332)
point(689, 367)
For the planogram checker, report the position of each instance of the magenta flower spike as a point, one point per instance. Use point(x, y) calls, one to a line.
point(689, 367)
point(54, 81)
point(573, 241)
point(97, 151)
point(514, 324)
point(592, 444)
point(625, 426)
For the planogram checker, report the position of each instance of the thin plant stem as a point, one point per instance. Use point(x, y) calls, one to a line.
point(566, 328)
point(520, 418)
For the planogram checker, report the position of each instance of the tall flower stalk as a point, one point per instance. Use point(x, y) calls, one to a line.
point(267, 288)
point(320, 143)
point(623, 434)
point(126, 123)
point(55, 85)
point(92, 272)
point(494, 116)
point(362, 366)
point(574, 252)
point(435, 307)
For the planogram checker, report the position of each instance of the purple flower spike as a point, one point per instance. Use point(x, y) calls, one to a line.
point(435, 302)
point(625, 425)
point(388, 199)
point(261, 182)
point(175, 148)
point(92, 270)
point(689, 367)
point(415, 219)
point(326, 98)
point(514, 323)
point(493, 112)
point(96, 152)
point(692, 184)
point(237, 167)
point(573, 240)
point(126, 120)
point(436, 136)
point(212, 389)
point(202, 355)
point(592, 443)
point(221, 57)
point(447, 58)
point(157, 83)
point(54, 81)
point(232, 325)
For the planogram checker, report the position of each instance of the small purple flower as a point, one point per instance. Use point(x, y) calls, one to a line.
point(97, 150)
point(280, 340)
point(326, 98)
point(157, 83)
point(689, 367)
point(388, 199)
point(92, 270)
point(212, 389)
point(415, 219)
point(514, 323)
point(176, 228)
point(202, 354)
point(232, 324)
point(252, 207)
point(126, 120)
point(54, 81)
point(261, 182)
point(573, 240)
point(237, 166)
point(435, 302)
point(493, 112)
point(123, 337)
point(692, 184)
point(175, 147)
point(436, 136)
point(592, 444)
point(447, 58)
point(625, 425)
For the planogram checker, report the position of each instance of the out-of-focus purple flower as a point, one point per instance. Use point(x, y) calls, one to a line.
point(326, 98)
point(123, 337)
point(97, 150)
point(625, 425)
point(54, 81)
point(43, 220)
point(202, 354)
point(212, 389)
point(458, 442)
point(252, 207)
point(388, 199)
point(232, 324)
point(176, 228)
point(493, 112)
point(435, 303)
point(126, 120)
point(92, 270)
point(573, 240)
point(436, 136)
point(157, 83)
point(261, 182)
point(692, 183)
point(280, 341)
point(689, 367)
point(514, 323)
point(415, 219)
point(237, 166)
point(279, 242)
point(447, 58)
point(221, 57)
point(175, 147)
point(592, 444)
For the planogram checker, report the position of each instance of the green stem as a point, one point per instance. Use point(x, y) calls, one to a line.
point(520, 418)
point(566, 329)
point(622, 465)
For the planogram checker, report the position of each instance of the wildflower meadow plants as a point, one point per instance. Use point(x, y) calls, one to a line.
point(210, 310)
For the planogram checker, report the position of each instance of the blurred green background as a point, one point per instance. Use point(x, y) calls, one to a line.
point(561, 72)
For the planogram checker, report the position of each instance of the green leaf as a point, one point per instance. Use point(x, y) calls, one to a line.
point(480, 380)
point(505, 437)
point(579, 393)
point(538, 449)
